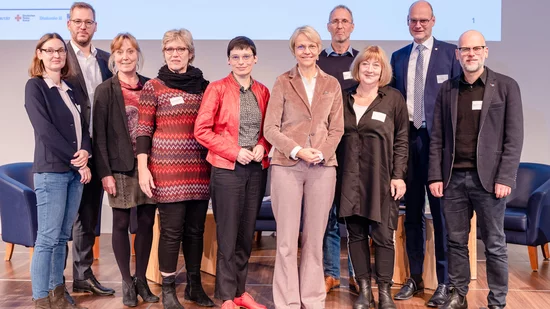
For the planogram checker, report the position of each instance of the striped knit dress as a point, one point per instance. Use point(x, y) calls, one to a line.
point(177, 161)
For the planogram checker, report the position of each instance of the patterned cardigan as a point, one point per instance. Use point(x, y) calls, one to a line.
point(176, 160)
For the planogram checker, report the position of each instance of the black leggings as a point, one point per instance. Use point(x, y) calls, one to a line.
point(142, 243)
point(181, 224)
point(359, 229)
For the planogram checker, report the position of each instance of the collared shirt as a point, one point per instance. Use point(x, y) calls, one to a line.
point(91, 73)
point(331, 53)
point(70, 105)
point(250, 118)
point(429, 44)
point(470, 101)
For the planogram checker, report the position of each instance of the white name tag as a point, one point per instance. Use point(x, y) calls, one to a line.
point(442, 78)
point(379, 116)
point(176, 100)
point(347, 75)
point(476, 105)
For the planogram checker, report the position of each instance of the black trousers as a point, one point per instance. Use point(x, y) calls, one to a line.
point(84, 227)
point(415, 199)
point(236, 199)
point(358, 247)
point(181, 224)
point(463, 195)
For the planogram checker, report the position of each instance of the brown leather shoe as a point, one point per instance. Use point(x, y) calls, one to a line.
point(331, 283)
point(42, 303)
point(353, 286)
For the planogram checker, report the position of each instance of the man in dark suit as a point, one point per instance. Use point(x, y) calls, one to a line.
point(419, 69)
point(475, 150)
point(91, 67)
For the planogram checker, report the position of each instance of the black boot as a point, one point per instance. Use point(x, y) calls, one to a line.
point(385, 301)
point(143, 290)
point(129, 297)
point(456, 301)
point(169, 297)
point(194, 291)
point(365, 299)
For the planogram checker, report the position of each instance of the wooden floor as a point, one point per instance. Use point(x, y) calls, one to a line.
point(528, 290)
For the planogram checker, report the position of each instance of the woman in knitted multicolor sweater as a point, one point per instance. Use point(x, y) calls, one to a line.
point(172, 165)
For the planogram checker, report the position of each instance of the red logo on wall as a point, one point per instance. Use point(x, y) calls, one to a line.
point(18, 18)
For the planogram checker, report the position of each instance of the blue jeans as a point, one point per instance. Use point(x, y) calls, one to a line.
point(331, 247)
point(57, 199)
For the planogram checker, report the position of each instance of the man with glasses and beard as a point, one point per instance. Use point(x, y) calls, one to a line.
point(336, 60)
point(419, 70)
point(475, 150)
point(91, 67)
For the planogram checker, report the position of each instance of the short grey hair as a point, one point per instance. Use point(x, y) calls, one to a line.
point(340, 6)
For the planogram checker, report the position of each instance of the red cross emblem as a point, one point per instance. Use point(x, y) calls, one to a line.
point(18, 18)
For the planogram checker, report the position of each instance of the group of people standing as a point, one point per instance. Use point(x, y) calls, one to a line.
point(352, 134)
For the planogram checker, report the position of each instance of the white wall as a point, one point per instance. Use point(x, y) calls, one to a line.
point(522, 54)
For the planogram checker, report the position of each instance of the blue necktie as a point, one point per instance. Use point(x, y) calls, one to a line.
point(419, 88)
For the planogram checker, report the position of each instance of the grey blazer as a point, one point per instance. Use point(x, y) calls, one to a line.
point(500, 137)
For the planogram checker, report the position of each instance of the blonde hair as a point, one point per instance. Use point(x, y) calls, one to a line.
point(309, 32)
point(183, 35)
point(116, 44)
point(37, 69)
point(375, 53)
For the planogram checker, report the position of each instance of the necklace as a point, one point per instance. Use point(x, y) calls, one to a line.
point(369, 97)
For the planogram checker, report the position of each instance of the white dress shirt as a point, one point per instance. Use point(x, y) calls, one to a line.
point(92, 76)
point(429, 44)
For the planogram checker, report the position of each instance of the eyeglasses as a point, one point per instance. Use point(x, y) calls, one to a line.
point(246, 57)
point(50, 51)
point(423, 22)
point(78, 22)
point(466, 50)
point(312, 48)
point(344, 22)
point(179, 50)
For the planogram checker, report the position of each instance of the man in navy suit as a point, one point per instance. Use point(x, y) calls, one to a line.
point(476, 146)
point(419, 69)
point(91, 67)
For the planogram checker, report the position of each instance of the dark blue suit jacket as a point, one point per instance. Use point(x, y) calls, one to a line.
point(54, 130)
point(442, 62)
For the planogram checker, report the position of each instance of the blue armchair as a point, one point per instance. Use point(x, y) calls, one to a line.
point(265, 221)
point(527, 216)
point(17, 206)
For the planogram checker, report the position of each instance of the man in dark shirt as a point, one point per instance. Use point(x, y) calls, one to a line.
point(475, 149)
point(336, 61)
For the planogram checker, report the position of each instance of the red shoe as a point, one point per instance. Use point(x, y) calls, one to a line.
point(248, 302)
point(228, 304)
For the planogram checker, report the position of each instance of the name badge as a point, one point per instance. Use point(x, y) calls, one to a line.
point(441, 78)
point(347, 75)
point(476, 105)
point(379, 116)
point(176, 100)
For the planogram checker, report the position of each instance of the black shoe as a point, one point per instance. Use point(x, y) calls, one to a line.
point(194, 291)
point(440, 296)
point(456, 301)
point(385, 300)
point(143, 290)
point(365, 299)
point(91, 285)
point(68, 297)
point(409, 289)
point(129, 296)
point(169, 297)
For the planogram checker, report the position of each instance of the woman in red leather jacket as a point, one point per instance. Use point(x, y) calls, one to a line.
point(230, 125)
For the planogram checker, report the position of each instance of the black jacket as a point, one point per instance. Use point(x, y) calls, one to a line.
point(112, 144)
point(500, 137)
point(370, 155)
point(54, 131)
point(78, 82)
